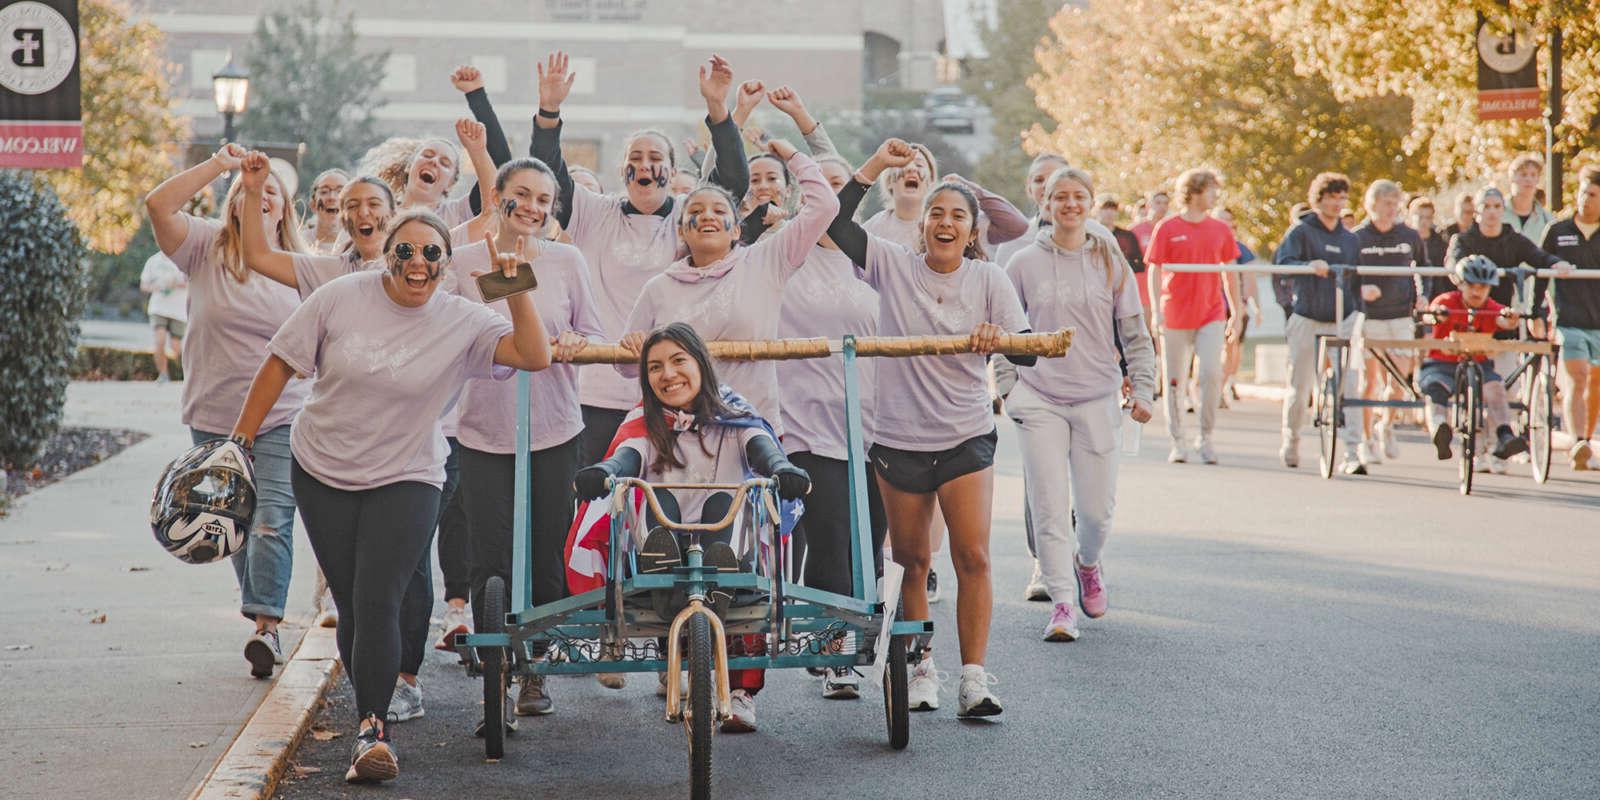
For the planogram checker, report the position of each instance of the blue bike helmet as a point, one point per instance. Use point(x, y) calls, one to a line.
point(1477, 269)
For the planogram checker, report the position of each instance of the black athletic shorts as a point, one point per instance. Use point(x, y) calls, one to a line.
point(923, 472)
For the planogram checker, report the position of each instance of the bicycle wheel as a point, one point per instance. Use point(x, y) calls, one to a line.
point(494, 671)
point(1468, 411)
point(1327, 421)
point(700, 717)
point(1540, 399)
point(896, 705)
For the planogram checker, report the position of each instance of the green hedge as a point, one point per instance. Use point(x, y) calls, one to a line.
point(42, 277)
point(100, 363)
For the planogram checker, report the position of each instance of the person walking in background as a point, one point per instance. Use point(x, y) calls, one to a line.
point(1155, 210)
point(1192, 316)
point(1318, 239)
point(1524, 213)
point(1387, 303)
point(1576, 239)
point(168, 309)
point(1233, 350)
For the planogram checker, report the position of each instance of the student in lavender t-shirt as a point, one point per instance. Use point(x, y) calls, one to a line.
point(934, 430)
point(388, 354)
point(628, 239)
point(487, 419)
point(365, 208)
point(731, 292)
point(1068, 411)
point(232, 315)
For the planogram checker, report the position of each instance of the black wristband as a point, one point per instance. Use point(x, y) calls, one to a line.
point(239, 439)
point(549, 114)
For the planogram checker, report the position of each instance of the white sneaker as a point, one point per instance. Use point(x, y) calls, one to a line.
point(922, 691)
point(1177, 455)
point(1208, 454)
point(327, 612)
point(406, 703)
point(1372, 451)
point(456, 620)
point(1035, 590)
point(1498, 466)
point(974, 698)
point(841, 683)
point(1386, 440)
point(1289, 454)
point(683, 684)
point(1579, 456)
point(264, 652)
point(743, 718)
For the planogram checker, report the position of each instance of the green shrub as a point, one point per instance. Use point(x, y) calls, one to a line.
point(42, 277)
point(100, 363)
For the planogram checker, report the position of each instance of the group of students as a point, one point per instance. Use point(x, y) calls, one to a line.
point(357, 362)
point(1200, 317)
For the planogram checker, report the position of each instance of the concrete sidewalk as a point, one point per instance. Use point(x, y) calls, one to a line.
point(148, 700)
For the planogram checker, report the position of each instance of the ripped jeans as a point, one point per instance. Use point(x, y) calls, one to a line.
point(263, 566)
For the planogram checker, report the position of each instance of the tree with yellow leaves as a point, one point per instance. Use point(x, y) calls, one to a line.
point(1143, 89)
point(130, 134)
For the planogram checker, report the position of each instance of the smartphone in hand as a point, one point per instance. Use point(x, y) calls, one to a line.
point(494, 285)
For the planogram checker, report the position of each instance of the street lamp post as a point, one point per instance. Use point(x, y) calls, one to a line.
point(232, 87)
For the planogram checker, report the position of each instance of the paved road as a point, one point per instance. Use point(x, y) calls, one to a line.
point(1271, 635)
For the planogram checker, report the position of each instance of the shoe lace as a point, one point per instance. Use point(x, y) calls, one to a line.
point(1090, 578)
point(982, 679)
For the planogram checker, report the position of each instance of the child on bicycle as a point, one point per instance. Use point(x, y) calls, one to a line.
point(1468, 308)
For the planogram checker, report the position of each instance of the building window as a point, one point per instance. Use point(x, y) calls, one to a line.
point(202, 65)
point(400, 75)
point(583, 70)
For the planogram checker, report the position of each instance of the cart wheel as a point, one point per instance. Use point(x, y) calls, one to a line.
point(1327, 422)
point(701, 715)
point(493, 660)
point(896, 706)
point(1541, 399)
point(1467, 423)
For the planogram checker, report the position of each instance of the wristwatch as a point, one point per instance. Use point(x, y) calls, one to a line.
point(247, 444)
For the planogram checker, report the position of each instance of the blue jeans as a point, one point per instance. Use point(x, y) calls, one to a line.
point(264, 565)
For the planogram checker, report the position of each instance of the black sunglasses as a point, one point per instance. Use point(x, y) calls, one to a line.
point(430, 252)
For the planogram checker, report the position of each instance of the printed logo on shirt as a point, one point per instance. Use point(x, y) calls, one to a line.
point(1567, 240)
point(1333, 248)
point(1401, 249)
point(1182, 237)
point(376, 354)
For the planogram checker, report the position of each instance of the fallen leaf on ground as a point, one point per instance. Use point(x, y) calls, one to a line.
point(198, 745)
point(57, 567)
point(99, 620)
point(138, 569)
point(302, 771)
point(18, 647)
point(323, 735)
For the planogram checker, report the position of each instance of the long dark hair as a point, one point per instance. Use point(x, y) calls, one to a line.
point(707, 406)
point(974, 248)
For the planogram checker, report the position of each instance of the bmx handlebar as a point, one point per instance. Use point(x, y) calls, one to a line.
point(739, 490)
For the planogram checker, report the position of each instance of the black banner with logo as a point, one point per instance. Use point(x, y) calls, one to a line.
point(41, 112)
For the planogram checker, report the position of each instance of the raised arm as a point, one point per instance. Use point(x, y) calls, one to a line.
point(258, 254)
point(732, 171)
point(844, 230)
point(818, 206)
point(527, 346)
point(164, 205)
point(470, 82)
point(745, 101)
point(473, 139)
point(788, 101)
point(555, 83)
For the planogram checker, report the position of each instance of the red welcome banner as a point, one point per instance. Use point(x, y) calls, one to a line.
point(34, 145)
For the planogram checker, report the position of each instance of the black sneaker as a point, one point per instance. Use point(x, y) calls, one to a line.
point(1510, 443)
point(720, 555)
point(372, 759)
point(532, 699)
point(1441, 441)
point(660, 552)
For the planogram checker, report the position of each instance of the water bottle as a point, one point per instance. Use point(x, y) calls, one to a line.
point(1130, 435)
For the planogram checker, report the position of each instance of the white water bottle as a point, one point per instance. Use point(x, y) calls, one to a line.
point(1130, 435)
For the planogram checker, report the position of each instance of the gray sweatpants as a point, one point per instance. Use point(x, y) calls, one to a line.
point(1305, 369)
point(1177, 347)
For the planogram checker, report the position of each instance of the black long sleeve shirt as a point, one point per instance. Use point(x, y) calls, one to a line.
point(1577, 302)
point(1509, 249)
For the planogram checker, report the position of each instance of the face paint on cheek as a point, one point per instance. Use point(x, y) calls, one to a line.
point(630, 173)
point(507, 207)
point(659, 175)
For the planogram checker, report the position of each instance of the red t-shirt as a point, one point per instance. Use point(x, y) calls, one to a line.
point(1142, 232)
point(1191, 300)
point(1484, 321)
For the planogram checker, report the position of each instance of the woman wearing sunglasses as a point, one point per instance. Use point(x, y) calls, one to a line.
point(388, 354)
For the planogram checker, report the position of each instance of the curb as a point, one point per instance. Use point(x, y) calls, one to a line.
point(257, 758)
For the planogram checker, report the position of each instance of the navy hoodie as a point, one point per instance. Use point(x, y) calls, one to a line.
point(1315, 298)
point(1400, 246)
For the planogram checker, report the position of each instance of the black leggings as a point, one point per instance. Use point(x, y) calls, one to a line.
point(416, 609)
point(368, 544)
point(822, 539)
point(488, 495)
point(599, 428)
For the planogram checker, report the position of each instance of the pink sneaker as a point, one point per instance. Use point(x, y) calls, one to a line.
point(1091, 590)
point(1063, 625)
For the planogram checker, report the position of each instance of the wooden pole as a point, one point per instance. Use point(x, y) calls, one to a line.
point(1047, 345)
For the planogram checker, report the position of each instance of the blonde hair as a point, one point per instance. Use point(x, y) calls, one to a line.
point(391, 160)
point(1102, 248)
point(1523, 160)
point(1382, 187)
point(229, 246)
